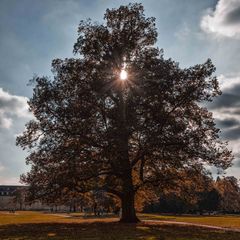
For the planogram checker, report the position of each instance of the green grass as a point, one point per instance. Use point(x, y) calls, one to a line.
point(39, 226)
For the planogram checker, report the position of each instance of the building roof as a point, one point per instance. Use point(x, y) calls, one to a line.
point(8, 190)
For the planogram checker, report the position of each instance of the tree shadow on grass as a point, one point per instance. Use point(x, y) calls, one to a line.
point(109, 230)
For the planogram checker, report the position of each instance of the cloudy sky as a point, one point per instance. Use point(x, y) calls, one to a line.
point(32, 33)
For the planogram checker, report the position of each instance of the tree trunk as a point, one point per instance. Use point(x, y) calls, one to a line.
point(74, 207)
point(127, 199)
point(128, 210)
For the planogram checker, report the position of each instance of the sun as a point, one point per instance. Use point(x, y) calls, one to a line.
point(123, 75)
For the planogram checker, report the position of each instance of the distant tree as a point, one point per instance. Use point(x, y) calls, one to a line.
point(198, 191)
point(192, 191)
point(93, 130)
point(209, 200)
point(229, 190)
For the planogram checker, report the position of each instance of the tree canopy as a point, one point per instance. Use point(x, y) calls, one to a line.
point(94, 131)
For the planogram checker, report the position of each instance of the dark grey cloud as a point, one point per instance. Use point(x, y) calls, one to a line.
point(226, 110)
point(236, 111)
point(233, 16)
point(234, 89)
point(237, 160)
point(230, 97)
point(226, 100)
point(227, 123)
point(231, 134)
point(237, 163)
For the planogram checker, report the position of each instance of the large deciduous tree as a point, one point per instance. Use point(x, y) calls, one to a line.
point(92, 130)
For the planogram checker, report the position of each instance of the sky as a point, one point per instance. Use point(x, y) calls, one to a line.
point(33, 33)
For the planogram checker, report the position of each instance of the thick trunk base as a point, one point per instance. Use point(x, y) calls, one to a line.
point(128, 214)
point(132, 219)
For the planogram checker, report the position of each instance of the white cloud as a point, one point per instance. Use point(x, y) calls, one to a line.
point(224, 20)
point(5, 122)
point(2, 168)
point(227, 82)
point(9, 181)
point(12, 107)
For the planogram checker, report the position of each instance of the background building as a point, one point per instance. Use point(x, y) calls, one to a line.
point(13, 197)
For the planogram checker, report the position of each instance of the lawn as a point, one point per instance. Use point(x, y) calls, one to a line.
point(228, 221)
point(39, 226)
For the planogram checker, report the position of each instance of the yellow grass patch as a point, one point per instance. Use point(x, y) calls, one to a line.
point(228, 221)
point(40, 226)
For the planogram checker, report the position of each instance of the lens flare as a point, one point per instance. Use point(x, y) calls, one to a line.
point(123, 75)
